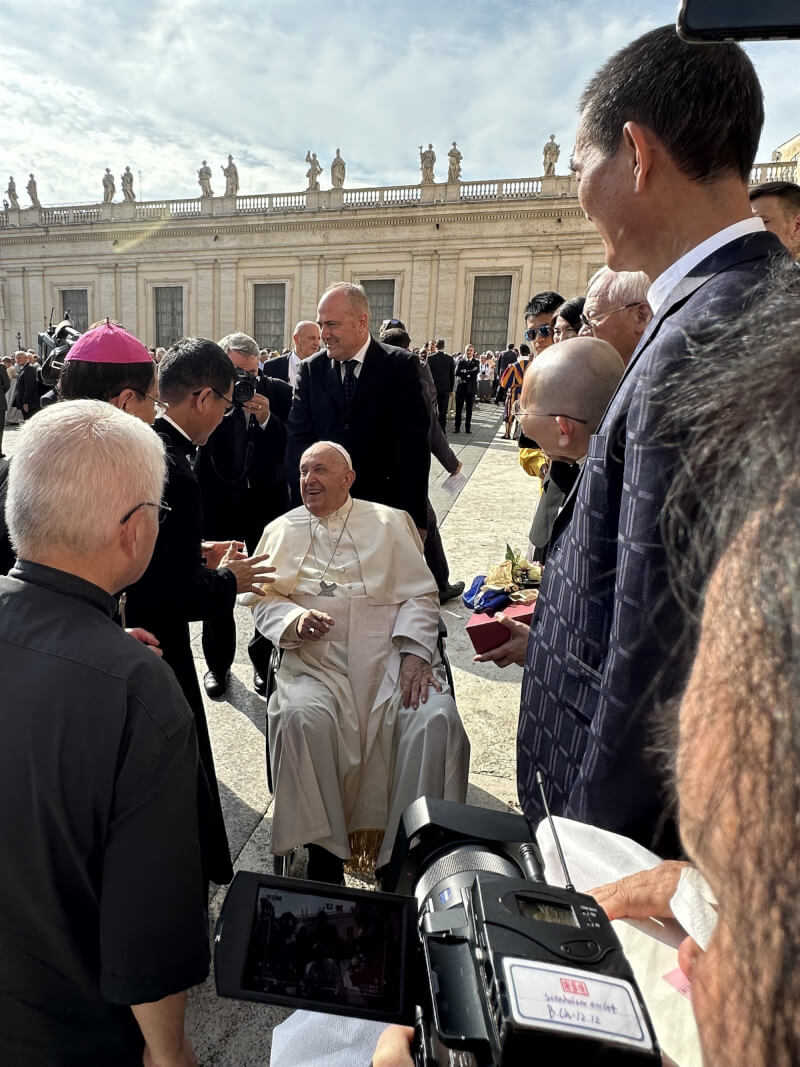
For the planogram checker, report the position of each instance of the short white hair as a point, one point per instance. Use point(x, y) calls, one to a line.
point(79, 467)
point(619, 288)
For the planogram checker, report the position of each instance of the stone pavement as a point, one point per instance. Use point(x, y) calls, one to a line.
point(494, 507)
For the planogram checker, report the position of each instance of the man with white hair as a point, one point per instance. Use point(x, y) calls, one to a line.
point(104, 904)
point(361, 722)
point(616, 309)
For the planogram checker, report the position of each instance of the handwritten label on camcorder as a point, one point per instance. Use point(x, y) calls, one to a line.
point(549, 997)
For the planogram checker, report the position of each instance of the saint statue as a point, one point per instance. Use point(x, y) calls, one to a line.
point(231, 177)
point(12, 193)
point(551, 153)
point(454, 170)
point(127, 185)
point(313, 172)
point(337, 171)
point(427, 159)
point(204, 179)
point(109, 188)
point(32, 193)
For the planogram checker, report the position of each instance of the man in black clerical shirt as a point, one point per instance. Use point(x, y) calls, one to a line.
point(103, 905)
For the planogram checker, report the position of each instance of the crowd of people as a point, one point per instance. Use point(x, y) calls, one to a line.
point(661, 685)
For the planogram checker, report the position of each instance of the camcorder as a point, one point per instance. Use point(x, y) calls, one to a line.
point(53, 344)
point(467, 943)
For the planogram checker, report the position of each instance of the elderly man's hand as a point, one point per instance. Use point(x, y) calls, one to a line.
point(146, 638)
point(394, 1048)
point(250, 573)
point(511, 651)
point(312, 625)
point(642, 895)
point(415, 677)
point(215, 551)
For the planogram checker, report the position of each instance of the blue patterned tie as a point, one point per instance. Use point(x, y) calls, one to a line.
point(349, 381)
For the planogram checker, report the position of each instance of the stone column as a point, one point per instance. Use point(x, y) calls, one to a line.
point(305, 302)
point(334, 267)
point(227, 298)
point(106, 296)
point(38, 313)
point(444, 321)
point(131, 314)
point(206, 316)
point(15, 311)
point(420, 319)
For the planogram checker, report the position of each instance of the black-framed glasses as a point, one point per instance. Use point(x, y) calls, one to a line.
point(162, 511)
point(538, 331)
point(587, 322)
point(227, 399)
point(160, 405)
point(518, 412)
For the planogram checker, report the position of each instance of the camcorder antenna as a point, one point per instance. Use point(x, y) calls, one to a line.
point(540, 782)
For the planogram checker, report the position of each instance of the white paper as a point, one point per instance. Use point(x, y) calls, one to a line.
point(455, 483)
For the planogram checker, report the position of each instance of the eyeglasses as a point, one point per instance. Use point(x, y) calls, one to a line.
point(538, 331)
point(162, 511)
point(160, 405)
point(587, 322)
point(517, 412)
point(227, 399)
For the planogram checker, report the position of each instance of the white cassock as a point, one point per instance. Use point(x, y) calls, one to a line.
point(346, 755)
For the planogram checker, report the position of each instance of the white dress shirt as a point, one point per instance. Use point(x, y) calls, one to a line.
point(358, 357)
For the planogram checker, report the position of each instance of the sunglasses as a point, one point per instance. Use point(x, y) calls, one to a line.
point(538, 331)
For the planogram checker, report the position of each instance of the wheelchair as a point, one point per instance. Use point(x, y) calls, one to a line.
point(282, 864)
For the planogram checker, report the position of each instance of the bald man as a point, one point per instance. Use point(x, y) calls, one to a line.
point(564, 394)
point(361, 722)
point(305, 341)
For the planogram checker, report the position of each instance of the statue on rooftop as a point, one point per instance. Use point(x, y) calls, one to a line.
point(204, 179)
point(427, 159)
point(109, 188)
point(454, 170)
point(551, 153)
point(127, 185)
point(313, 172)
point(32, 193)
point(231, 177)
point(337, 171)
point(11, 191)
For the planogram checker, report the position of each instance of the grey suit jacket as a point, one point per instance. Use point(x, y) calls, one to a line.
point(599, 657)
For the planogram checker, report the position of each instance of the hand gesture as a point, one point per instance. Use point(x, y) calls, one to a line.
point(312, 625)
point(250, 573)
point(415, 677)
point(511, 651)
point(258, 406)
point(217, 551)
point(642, 895)
point(146, 638)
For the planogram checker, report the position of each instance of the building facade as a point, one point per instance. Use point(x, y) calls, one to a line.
point(452, 260)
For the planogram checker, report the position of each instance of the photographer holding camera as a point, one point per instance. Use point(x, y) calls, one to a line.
point(243, 483)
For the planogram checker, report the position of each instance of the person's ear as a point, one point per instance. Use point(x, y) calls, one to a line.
point(121, 400)
point(201, 398)
point(637, 143)
point(565, 430)
point(351, 477)
point(642, 315)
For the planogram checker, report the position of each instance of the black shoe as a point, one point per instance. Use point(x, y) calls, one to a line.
point(259, 684)
point(457, 429)
point(450, 592)
point(323, 866)
point(468, 431)
point(216, 684)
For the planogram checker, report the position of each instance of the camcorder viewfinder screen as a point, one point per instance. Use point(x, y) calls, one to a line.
point(328, 949)
point(546, 911)
point(710, 15)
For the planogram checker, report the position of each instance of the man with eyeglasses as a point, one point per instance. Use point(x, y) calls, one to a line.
point(243, 481)
point(104, 904)
point(616, 309)
point(186, 579)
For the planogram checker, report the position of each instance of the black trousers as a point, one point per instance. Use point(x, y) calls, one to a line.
point(443, 403)
point(461, 396)
point(434, 552)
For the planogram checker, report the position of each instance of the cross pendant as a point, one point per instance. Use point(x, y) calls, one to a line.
point(326, 588)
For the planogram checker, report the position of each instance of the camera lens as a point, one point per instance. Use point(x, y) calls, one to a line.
point(443, 879)
point(243, 388)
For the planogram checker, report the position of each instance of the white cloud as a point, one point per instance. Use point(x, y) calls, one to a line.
point(164, 84)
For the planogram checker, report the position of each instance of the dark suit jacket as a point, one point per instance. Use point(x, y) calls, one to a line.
point(556, 487)
point(241, 470)
point(27, 391)
point(385, 428)
point(277, 368)
point(467, 373)
point(600, 652)
point(5, 385)
point(443, 368)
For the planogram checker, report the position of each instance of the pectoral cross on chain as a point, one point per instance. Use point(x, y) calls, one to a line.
point(326, 588)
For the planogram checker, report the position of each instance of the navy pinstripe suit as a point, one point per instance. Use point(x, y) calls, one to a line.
point(599, 655)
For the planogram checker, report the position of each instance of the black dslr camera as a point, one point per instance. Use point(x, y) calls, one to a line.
point(54, 343)
point(244, 387)
point(471, 947)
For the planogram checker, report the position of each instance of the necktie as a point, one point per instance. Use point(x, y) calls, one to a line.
point(349, 381)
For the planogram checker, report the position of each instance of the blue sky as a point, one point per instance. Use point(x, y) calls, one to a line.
point(162, 84)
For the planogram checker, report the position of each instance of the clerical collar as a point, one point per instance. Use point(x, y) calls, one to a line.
point(180, 429)
point(340, 513)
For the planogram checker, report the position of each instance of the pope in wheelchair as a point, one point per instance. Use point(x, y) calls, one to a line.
point(361, 721)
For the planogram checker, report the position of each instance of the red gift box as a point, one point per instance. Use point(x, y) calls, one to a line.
point(486, 633)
